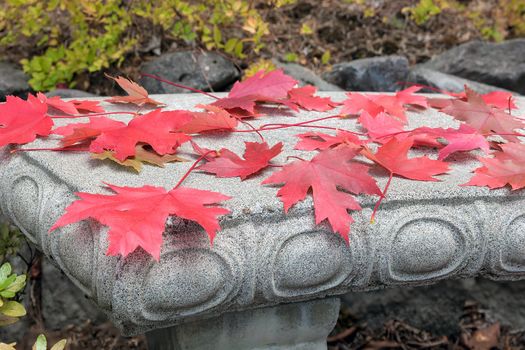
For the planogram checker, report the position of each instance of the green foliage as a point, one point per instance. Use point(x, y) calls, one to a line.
point(74, 36)
point(40, 344)
point(422, 12)
point(10, 284)
point(10, 240)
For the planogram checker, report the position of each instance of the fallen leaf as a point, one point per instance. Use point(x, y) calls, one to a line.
point(304, 98)
point(137, 94)
point(327, 172)
point(319, 141)
point(136, 216)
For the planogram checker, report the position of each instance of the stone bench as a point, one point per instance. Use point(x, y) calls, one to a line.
point(270, 281)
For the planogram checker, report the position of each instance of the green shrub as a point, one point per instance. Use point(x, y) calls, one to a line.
point(69, 37)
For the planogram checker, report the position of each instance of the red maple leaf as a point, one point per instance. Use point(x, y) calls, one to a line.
point(499, 99)
point(136, 216)
point(506, 167)
point(393, 157)
point(304, 97)
point(380, 128)
point(261, 87)
point(257, 156)
point(158, 129)
point(87, 106)
point(214, 119)
point(57, 103)
point(465, 138)
point(21, 121)
point(76, 133)
point(484, 118)
point(324, 174)
point(374, 104)
point(137, 94)
point(320, 141)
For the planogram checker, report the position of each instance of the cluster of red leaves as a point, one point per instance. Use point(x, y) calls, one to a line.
point(136, 216)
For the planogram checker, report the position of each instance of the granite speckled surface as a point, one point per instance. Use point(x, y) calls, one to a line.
point(424, 231)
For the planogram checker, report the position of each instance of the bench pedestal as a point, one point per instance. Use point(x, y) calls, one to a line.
point(297, 326)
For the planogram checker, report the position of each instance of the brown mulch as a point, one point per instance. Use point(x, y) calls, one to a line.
point(475, 332)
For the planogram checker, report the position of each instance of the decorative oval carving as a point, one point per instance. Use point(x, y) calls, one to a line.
point(184, 279)
point(310, 262)
point(513, 255)
point(425, 248)
point(24, 204)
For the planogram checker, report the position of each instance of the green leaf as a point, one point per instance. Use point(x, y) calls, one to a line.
point(5, 270)
point(13, 309)
point(41, 343)
point(18, 284)
point(325, 58)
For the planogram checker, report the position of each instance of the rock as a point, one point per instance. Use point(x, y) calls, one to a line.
point(197, 70)
point(69, 93)
point(370, 74)
point(12, 81)
point(446, 82)
point(305, 76)
point(438, 308)
point(501, 64)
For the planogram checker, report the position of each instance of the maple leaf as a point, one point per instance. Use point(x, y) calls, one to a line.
point(319, 141)
point(86, 106)
point(378, 103)
point(261, 87)
point(57, 103)
point(21, 121)
point(506, 167)
point(303, 97)
point(380, 128)
point(214, 119)
point(393, 157)
point(257, 156)
point(136, 216)
point(324, 174)
point(137, 94)
point(76, 133)
point(142, 155)
point(483, 118)
point(465, 138)
point(499, 99)
point(158, 129)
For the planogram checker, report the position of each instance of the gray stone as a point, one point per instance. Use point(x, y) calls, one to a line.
point(501, 64)
point(446, 82)
point(306, 77)
point(438, 308)
point(199, 70)
point(297, 326)
point(69, 93)
point(13, 81)
point(386, 73)
point(424, 232)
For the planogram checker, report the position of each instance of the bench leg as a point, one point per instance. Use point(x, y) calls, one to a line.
point(296, 326)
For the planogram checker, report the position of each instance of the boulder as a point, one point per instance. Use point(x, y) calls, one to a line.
point(446, 82)
point(200, 70)
point(501, 64)
point(370, 74)
point(306, 77)
point(13, 81)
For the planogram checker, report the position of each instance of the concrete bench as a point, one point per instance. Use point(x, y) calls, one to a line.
point(270, 281)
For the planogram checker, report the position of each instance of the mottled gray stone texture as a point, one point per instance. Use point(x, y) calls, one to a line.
point(297, 326)
point(424, 232)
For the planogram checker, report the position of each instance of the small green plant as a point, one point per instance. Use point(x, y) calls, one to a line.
point(422, 12)
point(40, 344)
point(10, 284)
point(10, 240)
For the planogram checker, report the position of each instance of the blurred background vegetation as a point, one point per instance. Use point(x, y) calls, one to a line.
point(69, 42)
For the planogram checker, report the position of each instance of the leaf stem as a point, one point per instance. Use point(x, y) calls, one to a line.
point(88, 115)
point(254, 129)
point(383, 196)
point(59, 149)
point(302, 123)
point(193, 166)
point(178, 85)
